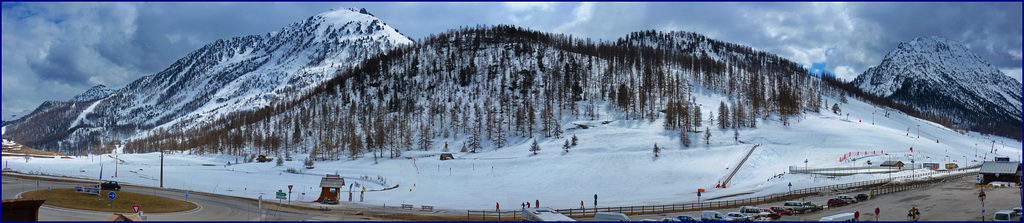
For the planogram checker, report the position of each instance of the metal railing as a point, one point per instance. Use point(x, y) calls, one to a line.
point(878, 187)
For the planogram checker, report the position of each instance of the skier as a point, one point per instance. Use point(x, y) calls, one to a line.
point(537, 202)
point(581, 204)
point(523, 204)
point(527, 204)
point(497, 207)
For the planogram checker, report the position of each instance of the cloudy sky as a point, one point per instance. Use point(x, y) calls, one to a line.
point(53, 51)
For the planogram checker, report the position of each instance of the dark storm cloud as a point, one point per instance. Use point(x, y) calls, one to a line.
point(52, 51)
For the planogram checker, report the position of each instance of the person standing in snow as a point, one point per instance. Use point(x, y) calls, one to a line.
point(527, 204)
point(523, 204)
point(497, 207)
point(581, 204)
point(537, 202)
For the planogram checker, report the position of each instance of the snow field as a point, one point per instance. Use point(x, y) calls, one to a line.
point(612, 160)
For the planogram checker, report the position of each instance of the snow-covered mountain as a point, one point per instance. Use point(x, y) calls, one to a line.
point(17, 116)
point(96, 92)
point(939, 76)
point(221, 78)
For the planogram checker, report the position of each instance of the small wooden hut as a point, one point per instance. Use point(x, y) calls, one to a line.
point(330, 187)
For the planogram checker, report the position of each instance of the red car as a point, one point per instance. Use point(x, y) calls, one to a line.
point(836, 202)
point(773, 215)
point(781, 211)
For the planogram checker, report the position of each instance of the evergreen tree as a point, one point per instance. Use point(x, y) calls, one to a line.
point(836, 110)
point(656, 150)
point(707, 135)
point(280, 161)
point(566, 146)
point(736, 134)
point(697, 116)
point(574, 139)
point(723, 115)
point(534, 148)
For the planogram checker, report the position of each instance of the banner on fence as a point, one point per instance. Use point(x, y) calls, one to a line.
point(88, 190)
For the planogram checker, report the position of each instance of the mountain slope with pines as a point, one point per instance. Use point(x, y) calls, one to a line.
point(941, 77)
point(223, 77)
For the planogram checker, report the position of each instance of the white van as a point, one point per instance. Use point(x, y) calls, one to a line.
point(1006, 215)
point(714, 216)
point(610, 216)
point(839, 217)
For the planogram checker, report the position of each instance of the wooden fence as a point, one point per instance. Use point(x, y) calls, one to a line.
point(878, 187)
point(892, 188)
point(513, 215)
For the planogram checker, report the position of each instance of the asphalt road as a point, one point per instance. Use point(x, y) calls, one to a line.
point(951, 201)
point(211, 207)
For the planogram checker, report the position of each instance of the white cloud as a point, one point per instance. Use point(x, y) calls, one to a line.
point(1015, 73)
point(1015, 54)
point(525, 6)
point(582, 14)
point(845, 72)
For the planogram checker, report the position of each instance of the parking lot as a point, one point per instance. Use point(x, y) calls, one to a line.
point(950, 201)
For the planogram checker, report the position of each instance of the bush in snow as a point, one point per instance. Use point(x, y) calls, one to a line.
point(534, 148)
point(566, 146)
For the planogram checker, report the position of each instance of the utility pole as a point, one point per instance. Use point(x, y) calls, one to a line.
point(161, 167)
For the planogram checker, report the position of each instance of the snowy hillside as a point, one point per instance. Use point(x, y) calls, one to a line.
point(613, 160)
point(939, 76)
point(224, 77)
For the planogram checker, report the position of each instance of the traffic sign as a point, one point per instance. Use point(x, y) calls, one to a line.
point(282, 195)
point(289, 187)
point(856, 214)
point(876, 211)
point(136, 208)
point(112, 195)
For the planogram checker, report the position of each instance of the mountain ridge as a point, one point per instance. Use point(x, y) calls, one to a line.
point(942, 77)
point(222, 77)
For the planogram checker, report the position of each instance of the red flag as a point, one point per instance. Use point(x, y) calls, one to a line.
point(911, 149)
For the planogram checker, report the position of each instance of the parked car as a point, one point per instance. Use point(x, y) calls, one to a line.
point(836, 202)
point(329, 201)
point(670, 219)
point(795, 206)
point(781, 210)
point(1018, 210)
point(754, 212)
point(847, 198)
point(610, 216)
point(686, 218)
point(861, 197)
point(109, 185)
point(1006, 215)
point(771, 214)
point(713, 216)
point(813, 207)
point(736, 216)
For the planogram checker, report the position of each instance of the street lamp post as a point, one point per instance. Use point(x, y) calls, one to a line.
point(805, 165)
point(889, 160)
point(919, 131)
point(791, 189)
point(913, 172)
